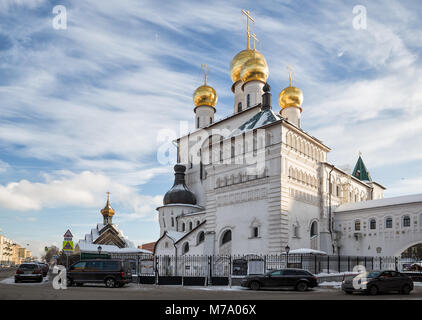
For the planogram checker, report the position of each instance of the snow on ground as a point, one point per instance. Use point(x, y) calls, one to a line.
point(11, 280)
point(218, 288)
point(333, 284)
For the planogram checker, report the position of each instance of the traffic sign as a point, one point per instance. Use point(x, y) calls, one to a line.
point(67, 239)
point(68, 234)
point(67, 245)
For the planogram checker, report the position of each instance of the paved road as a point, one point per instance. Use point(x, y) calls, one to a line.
point(9, 290)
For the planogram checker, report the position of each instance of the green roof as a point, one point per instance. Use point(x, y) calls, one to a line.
point(360, 171)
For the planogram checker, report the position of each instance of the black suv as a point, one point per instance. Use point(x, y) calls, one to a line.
point(374, 282)
point(29, 271)
point(298, 279)
point(113, 273)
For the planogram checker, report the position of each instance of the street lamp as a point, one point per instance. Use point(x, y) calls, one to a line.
point(287, 248)
point(99, 250)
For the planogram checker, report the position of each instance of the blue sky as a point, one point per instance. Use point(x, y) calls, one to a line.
point(81, 108)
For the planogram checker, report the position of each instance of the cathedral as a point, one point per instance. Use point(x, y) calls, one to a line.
point(256, 182)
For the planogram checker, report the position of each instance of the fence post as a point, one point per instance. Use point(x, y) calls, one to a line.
point(348, 263)
point(339, 264)
point(156, 270)
point(380, 263)
point(396, 262)
point(328, 264)
point(365, 262)
point(372, 262)
point(315, 264)
point(230, 271)
point(209, 270)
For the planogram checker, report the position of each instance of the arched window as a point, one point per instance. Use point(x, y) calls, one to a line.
point(357, 225)
point(198, 222)
point(185, 248)
point(314, 229)
point(239, 107)
point(183, 227)
point(389, 223)
point(210, 119)
point(406, 221)
point(190, 225)
point(372, 224)
point(197, 122)
point(227, 237)
point(201, 237)
point(248, 100)
point(172, 221)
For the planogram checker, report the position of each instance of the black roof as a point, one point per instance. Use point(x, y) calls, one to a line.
point(179, 193)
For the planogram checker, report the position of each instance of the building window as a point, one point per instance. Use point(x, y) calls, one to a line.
point(183, 227)
point(201, 237)
point(197, 122)
point(314, 229)
point(185, 248)
point(190, 226)
point(172, 221)
point(248, 100)
point(357, 225)
point(389, 223)
point(227, 237)
point(239, 107)
point(373, 224)
point(210, 120)
point(166, 245)
point(406, 221)
point(198, 222)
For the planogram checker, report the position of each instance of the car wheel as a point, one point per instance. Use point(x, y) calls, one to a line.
point(39, 279)
point(405, 289)
point(69, 282)
point(302, 286)
point(17, 281)
point(110, 283)
point(373, 290)
point(255, 285)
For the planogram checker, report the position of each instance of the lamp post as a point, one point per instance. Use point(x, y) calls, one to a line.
point(287, 248)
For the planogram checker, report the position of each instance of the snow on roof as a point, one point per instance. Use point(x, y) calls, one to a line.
point(260, 119)
point(106, 248)
point(380, 203)
point(175, 235)
point(306, 251)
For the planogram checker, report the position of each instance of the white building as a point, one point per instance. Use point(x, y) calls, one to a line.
point(256, 182)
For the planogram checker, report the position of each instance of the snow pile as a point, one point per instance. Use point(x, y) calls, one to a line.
point(380, 202)
point(306, 251)
point(333, 284)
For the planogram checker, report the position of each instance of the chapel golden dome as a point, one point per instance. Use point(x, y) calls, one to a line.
point(237, 63)
point(291, 97)
point(108, 210)
point(205, 95)
point(255, 68)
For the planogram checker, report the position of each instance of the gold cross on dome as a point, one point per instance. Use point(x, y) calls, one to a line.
point(290, 69)
point(360, 154)
point(255, 39)
point(205, 72)
point(248, 34)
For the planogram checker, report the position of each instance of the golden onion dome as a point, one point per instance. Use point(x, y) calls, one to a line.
point(255, 68)
point(237, 63)
point(108, 210)
point(291, 97)
point(205, 96)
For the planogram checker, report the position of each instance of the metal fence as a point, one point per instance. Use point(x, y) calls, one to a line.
point(241, 265)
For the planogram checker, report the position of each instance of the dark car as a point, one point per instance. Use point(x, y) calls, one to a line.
point(44, 267)
point(29, 271)
point(374, 282)
point(298, 279)
point(113, 273)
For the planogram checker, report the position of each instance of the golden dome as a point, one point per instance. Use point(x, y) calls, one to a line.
point(108, 210)
point(205, 96)
point(290, 97)
point(255, 68)
point(238, 62)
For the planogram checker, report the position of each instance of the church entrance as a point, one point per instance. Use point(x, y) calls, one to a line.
point(226, 243)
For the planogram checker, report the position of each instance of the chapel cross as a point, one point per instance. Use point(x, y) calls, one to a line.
point(248, 17)
point(255, 39)
point(290, 69)
point(205, 72)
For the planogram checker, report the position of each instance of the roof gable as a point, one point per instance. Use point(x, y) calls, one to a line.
point(360, 171)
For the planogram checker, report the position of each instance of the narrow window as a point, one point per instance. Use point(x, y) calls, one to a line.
point(406, 221)
point(185, 248)
point(210, 120)
point(248, 100)
point(183, 227)
point(197, 122)
point(190, 225)
point(389, 223)
point(357, 225)
point(255, 232)
point(239, 107)
point(373, 224)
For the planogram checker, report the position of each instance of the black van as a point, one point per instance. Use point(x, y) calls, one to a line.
point(113, 273)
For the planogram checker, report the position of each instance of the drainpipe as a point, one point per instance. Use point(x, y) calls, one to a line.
point(329, 206)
